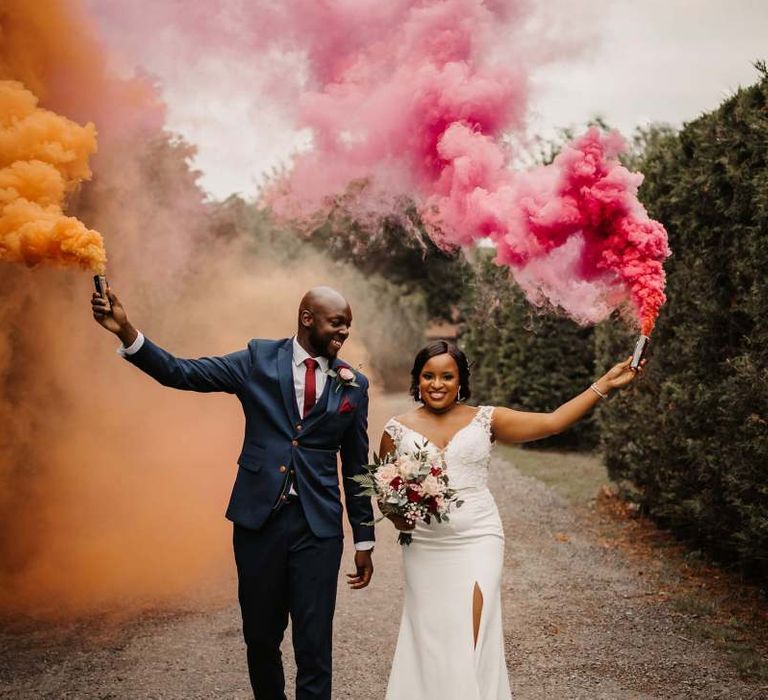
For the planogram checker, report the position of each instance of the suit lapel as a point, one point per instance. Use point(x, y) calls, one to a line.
point(285, 377)
point(335, 396)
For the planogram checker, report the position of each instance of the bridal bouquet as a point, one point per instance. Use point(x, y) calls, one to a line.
point(414, 487)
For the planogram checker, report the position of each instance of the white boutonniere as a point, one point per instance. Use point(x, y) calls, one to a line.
point(342, 377)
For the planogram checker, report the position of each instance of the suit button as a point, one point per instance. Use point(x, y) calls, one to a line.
point(283, 469)
point(292, 472)
point(299, 426)
point(283, 498)
point(295, 443)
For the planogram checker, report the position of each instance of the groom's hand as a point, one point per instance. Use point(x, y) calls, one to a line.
point(364, 570)
point(112, 316)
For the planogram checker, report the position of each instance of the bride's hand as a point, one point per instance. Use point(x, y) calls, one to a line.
point(620, 375)
point(401, 523)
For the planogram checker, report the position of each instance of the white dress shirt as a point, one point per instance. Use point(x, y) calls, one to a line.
point(299, 376)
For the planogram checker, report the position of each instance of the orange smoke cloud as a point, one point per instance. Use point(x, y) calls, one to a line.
point(97, 508)
point(43, 158)
point(113, 488)
point(53, 48)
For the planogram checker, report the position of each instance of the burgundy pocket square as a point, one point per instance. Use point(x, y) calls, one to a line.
point(346, 407)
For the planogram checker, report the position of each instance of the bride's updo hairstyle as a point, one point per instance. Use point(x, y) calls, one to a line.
point(441, 347)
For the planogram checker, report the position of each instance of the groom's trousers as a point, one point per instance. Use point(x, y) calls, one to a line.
point(283, 569)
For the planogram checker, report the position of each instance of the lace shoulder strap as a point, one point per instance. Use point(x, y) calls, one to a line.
point(484, 417)
point(395, 430)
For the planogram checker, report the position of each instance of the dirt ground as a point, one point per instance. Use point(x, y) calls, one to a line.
point(581, 621)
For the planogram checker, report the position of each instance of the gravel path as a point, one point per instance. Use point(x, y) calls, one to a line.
point(578, 618)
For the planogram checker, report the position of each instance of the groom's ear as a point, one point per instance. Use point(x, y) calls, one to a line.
point(306, 318)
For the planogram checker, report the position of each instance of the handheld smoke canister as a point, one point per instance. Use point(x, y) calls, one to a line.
point(641, 347)
point(100, 282)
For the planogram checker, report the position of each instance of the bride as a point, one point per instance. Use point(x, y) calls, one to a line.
point(451, 645)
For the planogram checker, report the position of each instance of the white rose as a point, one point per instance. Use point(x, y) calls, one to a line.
point(408, 467)
point(431, 486)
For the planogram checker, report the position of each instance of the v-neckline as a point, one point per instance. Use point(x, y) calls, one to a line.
point(453, 437)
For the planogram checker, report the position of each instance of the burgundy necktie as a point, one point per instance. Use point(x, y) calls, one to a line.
point(309, 385)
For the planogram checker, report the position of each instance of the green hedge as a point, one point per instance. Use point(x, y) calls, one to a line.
point(522, 357)
point(693, 438)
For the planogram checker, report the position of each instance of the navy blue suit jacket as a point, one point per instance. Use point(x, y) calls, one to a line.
point(276, 438)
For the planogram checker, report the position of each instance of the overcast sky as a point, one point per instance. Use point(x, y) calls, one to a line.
point(654, 60)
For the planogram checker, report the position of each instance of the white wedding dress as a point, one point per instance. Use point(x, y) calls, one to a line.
point(436, 657)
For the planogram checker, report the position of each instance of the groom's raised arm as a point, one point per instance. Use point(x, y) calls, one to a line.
point(354, 455)
point(226, 373)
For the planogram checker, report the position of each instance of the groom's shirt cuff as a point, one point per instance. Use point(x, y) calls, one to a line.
point(364, 546)
point(133, 348)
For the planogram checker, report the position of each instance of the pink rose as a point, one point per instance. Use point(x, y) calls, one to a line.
point(346, 374)
point(385, 474)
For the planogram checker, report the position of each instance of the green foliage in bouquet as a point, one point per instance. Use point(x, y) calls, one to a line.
point(693, 437)
point(368, 483)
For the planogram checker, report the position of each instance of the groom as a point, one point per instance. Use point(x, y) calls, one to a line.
point(302, 405)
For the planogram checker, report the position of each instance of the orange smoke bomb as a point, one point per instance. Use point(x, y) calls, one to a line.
point(43, 158)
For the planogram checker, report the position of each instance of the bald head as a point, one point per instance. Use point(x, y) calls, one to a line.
point(322, 297)
point(324, 321)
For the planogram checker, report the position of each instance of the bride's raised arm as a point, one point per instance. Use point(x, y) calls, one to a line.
point(510, 426)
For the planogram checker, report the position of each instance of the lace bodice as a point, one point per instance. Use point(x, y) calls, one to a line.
point(468, 454)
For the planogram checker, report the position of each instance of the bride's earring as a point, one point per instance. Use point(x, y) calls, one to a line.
point(459, 397)
point(419, 390)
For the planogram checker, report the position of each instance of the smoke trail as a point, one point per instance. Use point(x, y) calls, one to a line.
point(573, 233)
point(421, 111)
point(43, 157)
point(411, 100)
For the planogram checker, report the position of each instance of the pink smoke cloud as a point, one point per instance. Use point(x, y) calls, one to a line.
point(573, 232)
point(412, 100)
point(421, 112)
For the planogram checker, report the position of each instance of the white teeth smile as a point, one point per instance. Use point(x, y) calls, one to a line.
point(336, 343)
